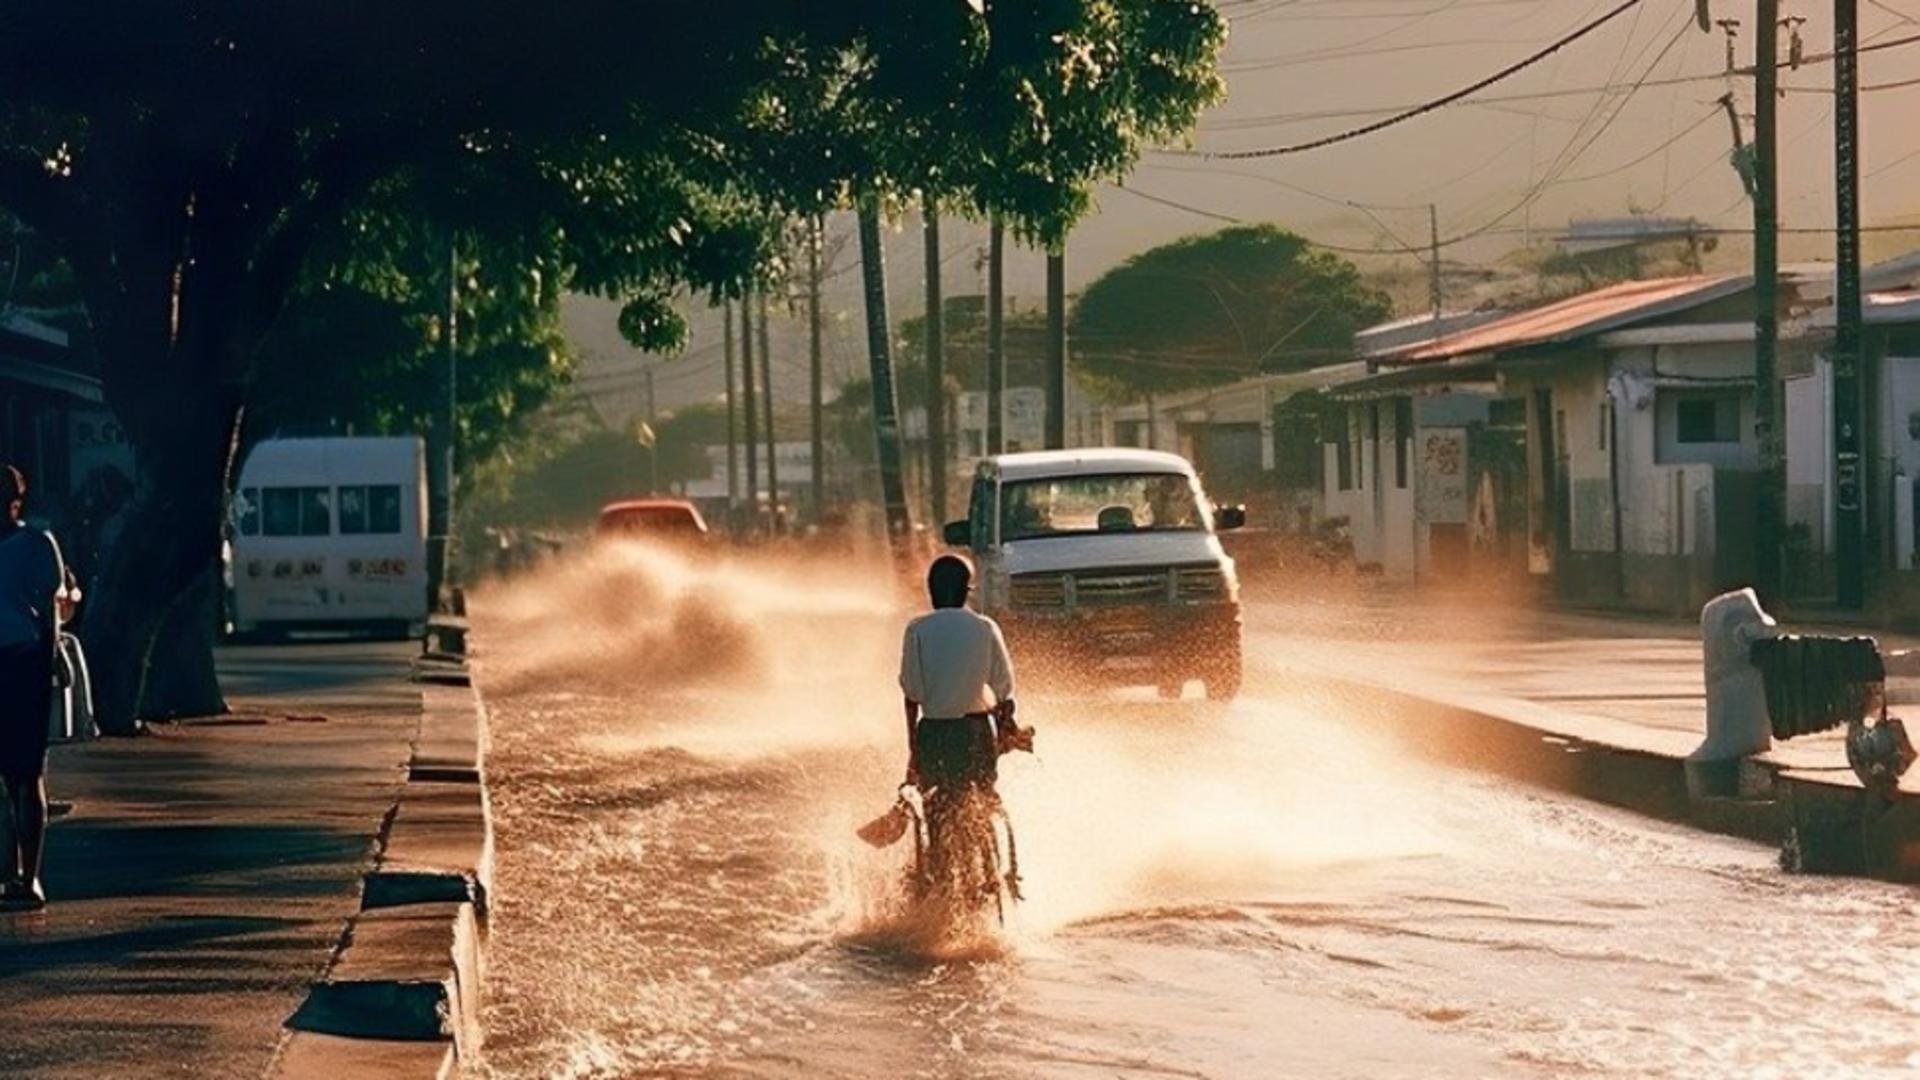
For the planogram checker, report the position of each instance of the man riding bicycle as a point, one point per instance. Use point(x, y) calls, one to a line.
point(958, 682)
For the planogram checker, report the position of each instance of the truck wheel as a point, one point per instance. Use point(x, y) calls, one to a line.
point(1224, 686)
point(1223, 680)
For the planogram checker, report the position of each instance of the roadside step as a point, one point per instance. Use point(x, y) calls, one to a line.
point(439, 847)
point(453, 735)
point(402, 998)
point(405, 984)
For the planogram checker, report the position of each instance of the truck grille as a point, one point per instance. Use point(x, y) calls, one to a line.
point(1129, 587)
point(1038, 590)
point(1199, 583)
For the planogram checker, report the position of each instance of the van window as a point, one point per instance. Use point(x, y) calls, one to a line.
point(249, 511)
point(373, 508)
point(295, 511)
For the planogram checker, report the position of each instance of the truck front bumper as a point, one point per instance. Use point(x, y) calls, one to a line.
point(1160, 638)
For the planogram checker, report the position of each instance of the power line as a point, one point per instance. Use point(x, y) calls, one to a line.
point(1231, 219)
point(1407, 110)
point(1281, 119)
point(1554, 176)
point(1437, 103)
point(1284, 185)
point(1705, 117)
point(1332, 54)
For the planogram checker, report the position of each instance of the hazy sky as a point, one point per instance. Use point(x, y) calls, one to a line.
point(1527, 154)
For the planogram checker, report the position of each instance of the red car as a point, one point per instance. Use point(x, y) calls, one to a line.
point(652, 519)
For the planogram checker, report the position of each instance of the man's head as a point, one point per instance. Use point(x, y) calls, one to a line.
point(13, 491)
point(949, 580)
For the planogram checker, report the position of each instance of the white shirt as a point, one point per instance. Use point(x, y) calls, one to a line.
point(954, 662)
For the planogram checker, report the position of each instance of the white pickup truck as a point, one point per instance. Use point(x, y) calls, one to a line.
point(1103, 567)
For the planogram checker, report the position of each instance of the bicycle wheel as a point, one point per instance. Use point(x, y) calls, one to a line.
point(964, 863)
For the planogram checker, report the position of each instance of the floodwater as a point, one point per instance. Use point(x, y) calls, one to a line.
point(681, 755)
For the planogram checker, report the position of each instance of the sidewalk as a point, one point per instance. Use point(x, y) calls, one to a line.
point(201, 881)
point(1634, 682)
point(1604, 706)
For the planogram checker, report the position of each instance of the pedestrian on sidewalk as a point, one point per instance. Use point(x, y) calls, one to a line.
point(35, 596)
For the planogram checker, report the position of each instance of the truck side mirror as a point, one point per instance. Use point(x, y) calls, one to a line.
point(1230, 517)
point(957, 533)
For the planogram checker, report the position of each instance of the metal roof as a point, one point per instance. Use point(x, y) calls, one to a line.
point(1578, 316)
point(1887, 308)
point(1474, 374)
point(1246, 400)
point(1405, 333)
point(1089, 461)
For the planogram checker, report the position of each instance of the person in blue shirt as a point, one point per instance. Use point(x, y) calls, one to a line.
point(34, 597)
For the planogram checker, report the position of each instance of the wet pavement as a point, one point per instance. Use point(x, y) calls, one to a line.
point(680, 756)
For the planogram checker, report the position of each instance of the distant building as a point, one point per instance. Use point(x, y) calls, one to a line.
point(1633, 245)
point(55, 425)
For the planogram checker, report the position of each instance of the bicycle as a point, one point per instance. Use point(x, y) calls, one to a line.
point(964, 851)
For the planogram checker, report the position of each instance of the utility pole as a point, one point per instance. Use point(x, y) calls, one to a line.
point(733, 450)
point(816, 396)
point(750, 430)
point(766, 400)
point(1434, 296)
point(996, 339)
point(440, 576)
point(886, 400)
point(1849, 562)
point(1057, 347)
point(653, 437)
point(936, 368)
point(1766, 314)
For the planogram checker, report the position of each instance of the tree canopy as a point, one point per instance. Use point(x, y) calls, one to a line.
point(1210, 309)
point(360, 345)
point(199, 164)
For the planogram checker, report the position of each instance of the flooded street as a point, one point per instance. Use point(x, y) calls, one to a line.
point(680, 758)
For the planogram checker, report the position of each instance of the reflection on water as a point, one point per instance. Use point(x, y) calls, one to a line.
point(681, 755)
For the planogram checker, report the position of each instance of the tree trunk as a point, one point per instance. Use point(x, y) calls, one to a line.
point(750, 423)
point(170, 544)
point(996, 340)
point(936, 371)
point(766, 402)
point(816, 399)
point(733, 420)
point(1056, 434)
point(886, 402)
point(181, 680)
point(171, 315)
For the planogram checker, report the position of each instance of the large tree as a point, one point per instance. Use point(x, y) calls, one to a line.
point(360, 346)
point(1210, 309)
point(194, 159)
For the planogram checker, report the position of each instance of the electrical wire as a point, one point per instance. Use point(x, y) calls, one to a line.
point(1704, 119)
point(1416, 108)
point(1216, 215)
point(1555, 174)
point(1437, 103)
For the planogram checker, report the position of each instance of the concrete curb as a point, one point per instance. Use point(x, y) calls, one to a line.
point(402, 996)
point(1823, 820)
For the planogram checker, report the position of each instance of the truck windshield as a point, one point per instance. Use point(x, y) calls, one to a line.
point(1083, 505)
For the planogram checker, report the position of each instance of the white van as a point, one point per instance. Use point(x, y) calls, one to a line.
point(331, 533)
point(1104, 566)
